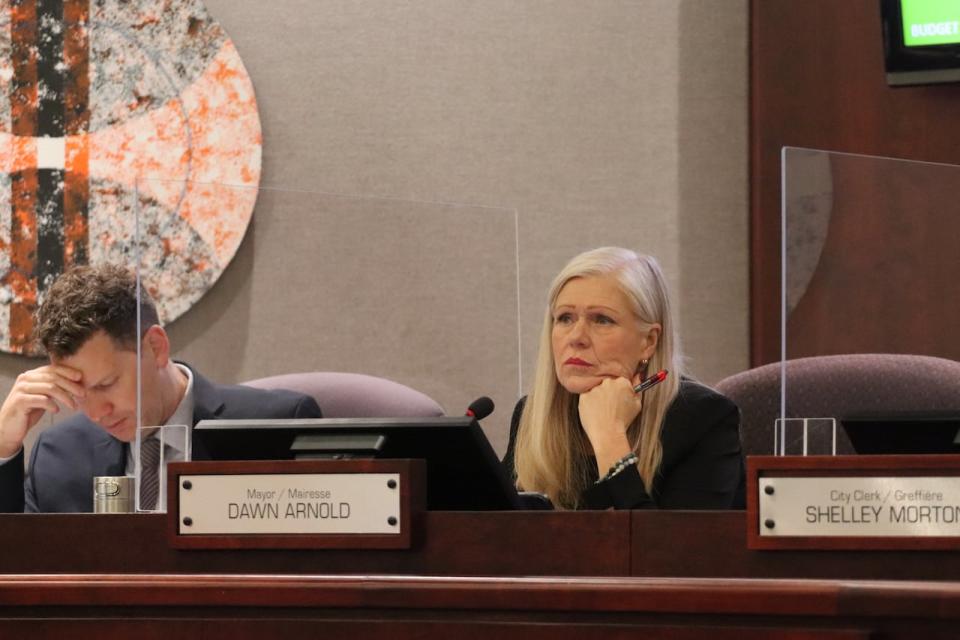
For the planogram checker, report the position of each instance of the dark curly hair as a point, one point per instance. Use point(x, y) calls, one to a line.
point(87, 299)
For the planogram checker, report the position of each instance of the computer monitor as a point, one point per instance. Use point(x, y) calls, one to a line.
point(463, 471)
point(921, 41)
point(904, 433)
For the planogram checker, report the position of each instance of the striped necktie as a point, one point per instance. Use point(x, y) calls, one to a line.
point(149, 473)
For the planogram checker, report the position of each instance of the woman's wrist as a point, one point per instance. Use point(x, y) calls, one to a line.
point(620, 466)
point(609, 452)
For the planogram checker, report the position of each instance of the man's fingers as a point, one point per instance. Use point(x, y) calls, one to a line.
point(39, 401)
point(64, 371)
point(64, 382)
point(73, 390)
point(54, 377)
point(66, 377)
point(50, 390)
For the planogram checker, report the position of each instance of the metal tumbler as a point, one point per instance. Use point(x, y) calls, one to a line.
point(113, 494)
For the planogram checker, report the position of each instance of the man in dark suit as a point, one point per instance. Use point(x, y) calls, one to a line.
point(88, 327)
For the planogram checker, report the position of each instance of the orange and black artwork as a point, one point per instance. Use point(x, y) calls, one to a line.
point(129, 133)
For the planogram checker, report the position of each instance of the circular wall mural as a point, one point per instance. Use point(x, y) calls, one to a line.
point(128, 131)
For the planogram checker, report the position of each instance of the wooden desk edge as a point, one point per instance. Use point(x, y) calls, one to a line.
point(830, 598)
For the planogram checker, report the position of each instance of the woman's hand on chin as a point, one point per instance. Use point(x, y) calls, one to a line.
point(606, 411)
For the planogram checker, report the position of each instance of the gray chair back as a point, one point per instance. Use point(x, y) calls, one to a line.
point(355, 395)
point(839, 386)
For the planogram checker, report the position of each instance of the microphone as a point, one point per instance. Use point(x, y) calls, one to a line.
point(480, 408)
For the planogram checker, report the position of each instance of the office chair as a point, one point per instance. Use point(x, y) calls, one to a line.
point(354, 395)
point(837, 386)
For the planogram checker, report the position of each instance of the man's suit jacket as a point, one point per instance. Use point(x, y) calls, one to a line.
point(67, 457)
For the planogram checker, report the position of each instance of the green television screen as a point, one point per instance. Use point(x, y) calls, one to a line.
point(930, 22)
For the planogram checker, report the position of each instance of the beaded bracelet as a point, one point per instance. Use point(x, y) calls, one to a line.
point(621, 464)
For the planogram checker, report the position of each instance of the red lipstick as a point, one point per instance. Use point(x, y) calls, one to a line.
point(578, 362)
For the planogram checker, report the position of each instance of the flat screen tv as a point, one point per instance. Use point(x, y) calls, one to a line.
point(463, 471)
point(921, 41)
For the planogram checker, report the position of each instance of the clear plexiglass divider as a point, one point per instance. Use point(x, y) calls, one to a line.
point(869, 266)
point(420, 293)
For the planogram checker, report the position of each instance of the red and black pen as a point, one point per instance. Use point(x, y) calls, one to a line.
point(652, 381)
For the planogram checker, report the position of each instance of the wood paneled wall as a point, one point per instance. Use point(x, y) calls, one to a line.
point(818, 81)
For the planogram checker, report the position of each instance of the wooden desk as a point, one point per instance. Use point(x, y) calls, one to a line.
point(506, 575)
point(642, 543)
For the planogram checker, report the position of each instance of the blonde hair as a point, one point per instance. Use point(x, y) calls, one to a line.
point(551, 448)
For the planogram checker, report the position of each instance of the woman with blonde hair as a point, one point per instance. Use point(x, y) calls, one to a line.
point(584, 437)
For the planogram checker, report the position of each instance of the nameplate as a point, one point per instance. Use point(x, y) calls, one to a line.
point(854, 502)
point(876, 506)
point(302, 504)
point(290, 503)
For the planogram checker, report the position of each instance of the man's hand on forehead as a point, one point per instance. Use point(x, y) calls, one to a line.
point(35, 392)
